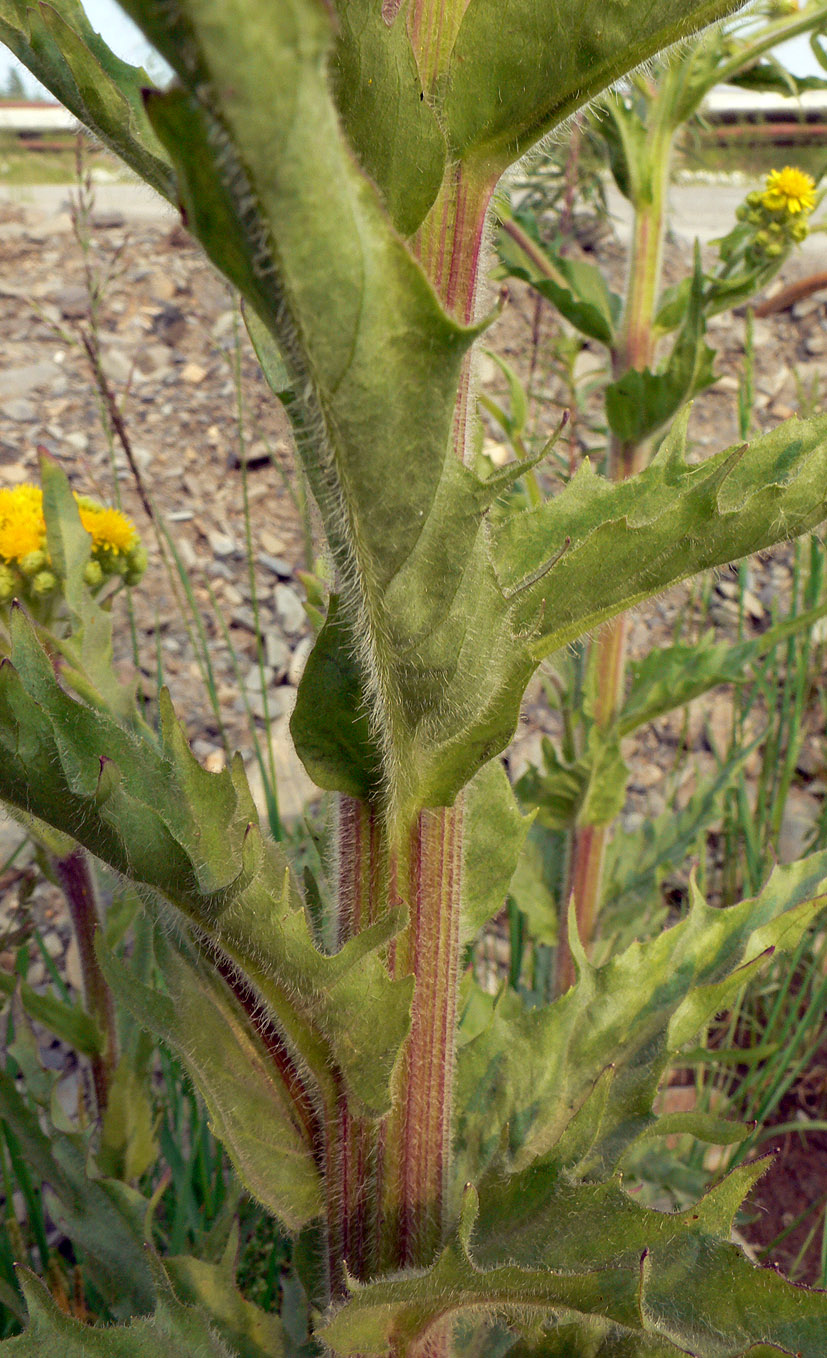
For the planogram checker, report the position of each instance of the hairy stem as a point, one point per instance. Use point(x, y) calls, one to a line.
point(635, 349)
point(391, 1181)
point(75, 877)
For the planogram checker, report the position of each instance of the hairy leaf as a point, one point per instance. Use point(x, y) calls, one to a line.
point(394, 131)
point(494, 831)
point(569, 561)
point(193, 837)
point(104, 1218)
point(173, 1328)
point(576, 288)
point(558, 1252)
point(638, 404)
point(579, 1078)
point(250, 1108)
point(565, 52)
point(61, 49)
point(251, 1332)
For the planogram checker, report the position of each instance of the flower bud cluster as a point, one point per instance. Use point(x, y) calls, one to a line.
point(26, 569)
point(778, 215)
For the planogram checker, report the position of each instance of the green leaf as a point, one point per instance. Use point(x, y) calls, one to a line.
point(536, 883)
point(128, 1146)
point(545, 1250)
point(250, 1107)
point(251, 1332)
point(605, 790)
point(338, 750)
point(601, 547)
point(67, 1021)
point(576, 288)
point(103, 1218)
point(674, 675)
point(565, 54)
point(61, 49)
point(392, 1316)
point(555, 788)
point(173, 1328)
point(157, 816)
point(581, 1075)
point(394, 132)
point(494, 832)
point(589, 791)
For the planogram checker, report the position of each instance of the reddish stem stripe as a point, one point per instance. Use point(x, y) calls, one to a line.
point(75, 876)
point(434, 893)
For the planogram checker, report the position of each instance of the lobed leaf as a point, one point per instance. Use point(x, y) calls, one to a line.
point(576, 1081)
point(250, 1108)
point(251, 1332)
point(193, 837)
point(587, 1260)
point(173, 1328)
point(569, 561)
point(61, 49)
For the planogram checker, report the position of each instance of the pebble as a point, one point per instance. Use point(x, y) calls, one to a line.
point(71, 965)
point(816, 343)
point(19, 409)
point(276, 564)
point(299, 660)
point(277, 654)
point(289, 609)
point(18, 381)
point(221, 544)
point(108, 221)
point(73, 303)
point(271, 543)
point(193, 373)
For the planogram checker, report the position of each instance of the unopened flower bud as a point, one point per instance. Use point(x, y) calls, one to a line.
point(45, 582)
point(137, 562)
point(8, 584)
point(93, 575)
point(33, 562)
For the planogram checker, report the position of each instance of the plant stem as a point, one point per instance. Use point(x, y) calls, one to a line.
point(391, 1180)
point(75, 877)
point(635, 349)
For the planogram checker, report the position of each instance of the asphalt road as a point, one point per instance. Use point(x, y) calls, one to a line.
point(697, 209)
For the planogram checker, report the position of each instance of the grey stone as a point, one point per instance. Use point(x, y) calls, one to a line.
point(73, 303)
point(276, 564)
point(295, 789)
point(18, 408)
point(289, 609)
point(108, 220)
point(117, 365)
point(221, 544)
point(19, 381)
point(277, 654)
point(299, 660)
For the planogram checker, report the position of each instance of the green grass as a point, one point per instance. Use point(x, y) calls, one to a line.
point(19, 165)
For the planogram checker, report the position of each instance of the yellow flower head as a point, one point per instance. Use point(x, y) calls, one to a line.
point(789, 190)
point(22, 526)
point(109, 529)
